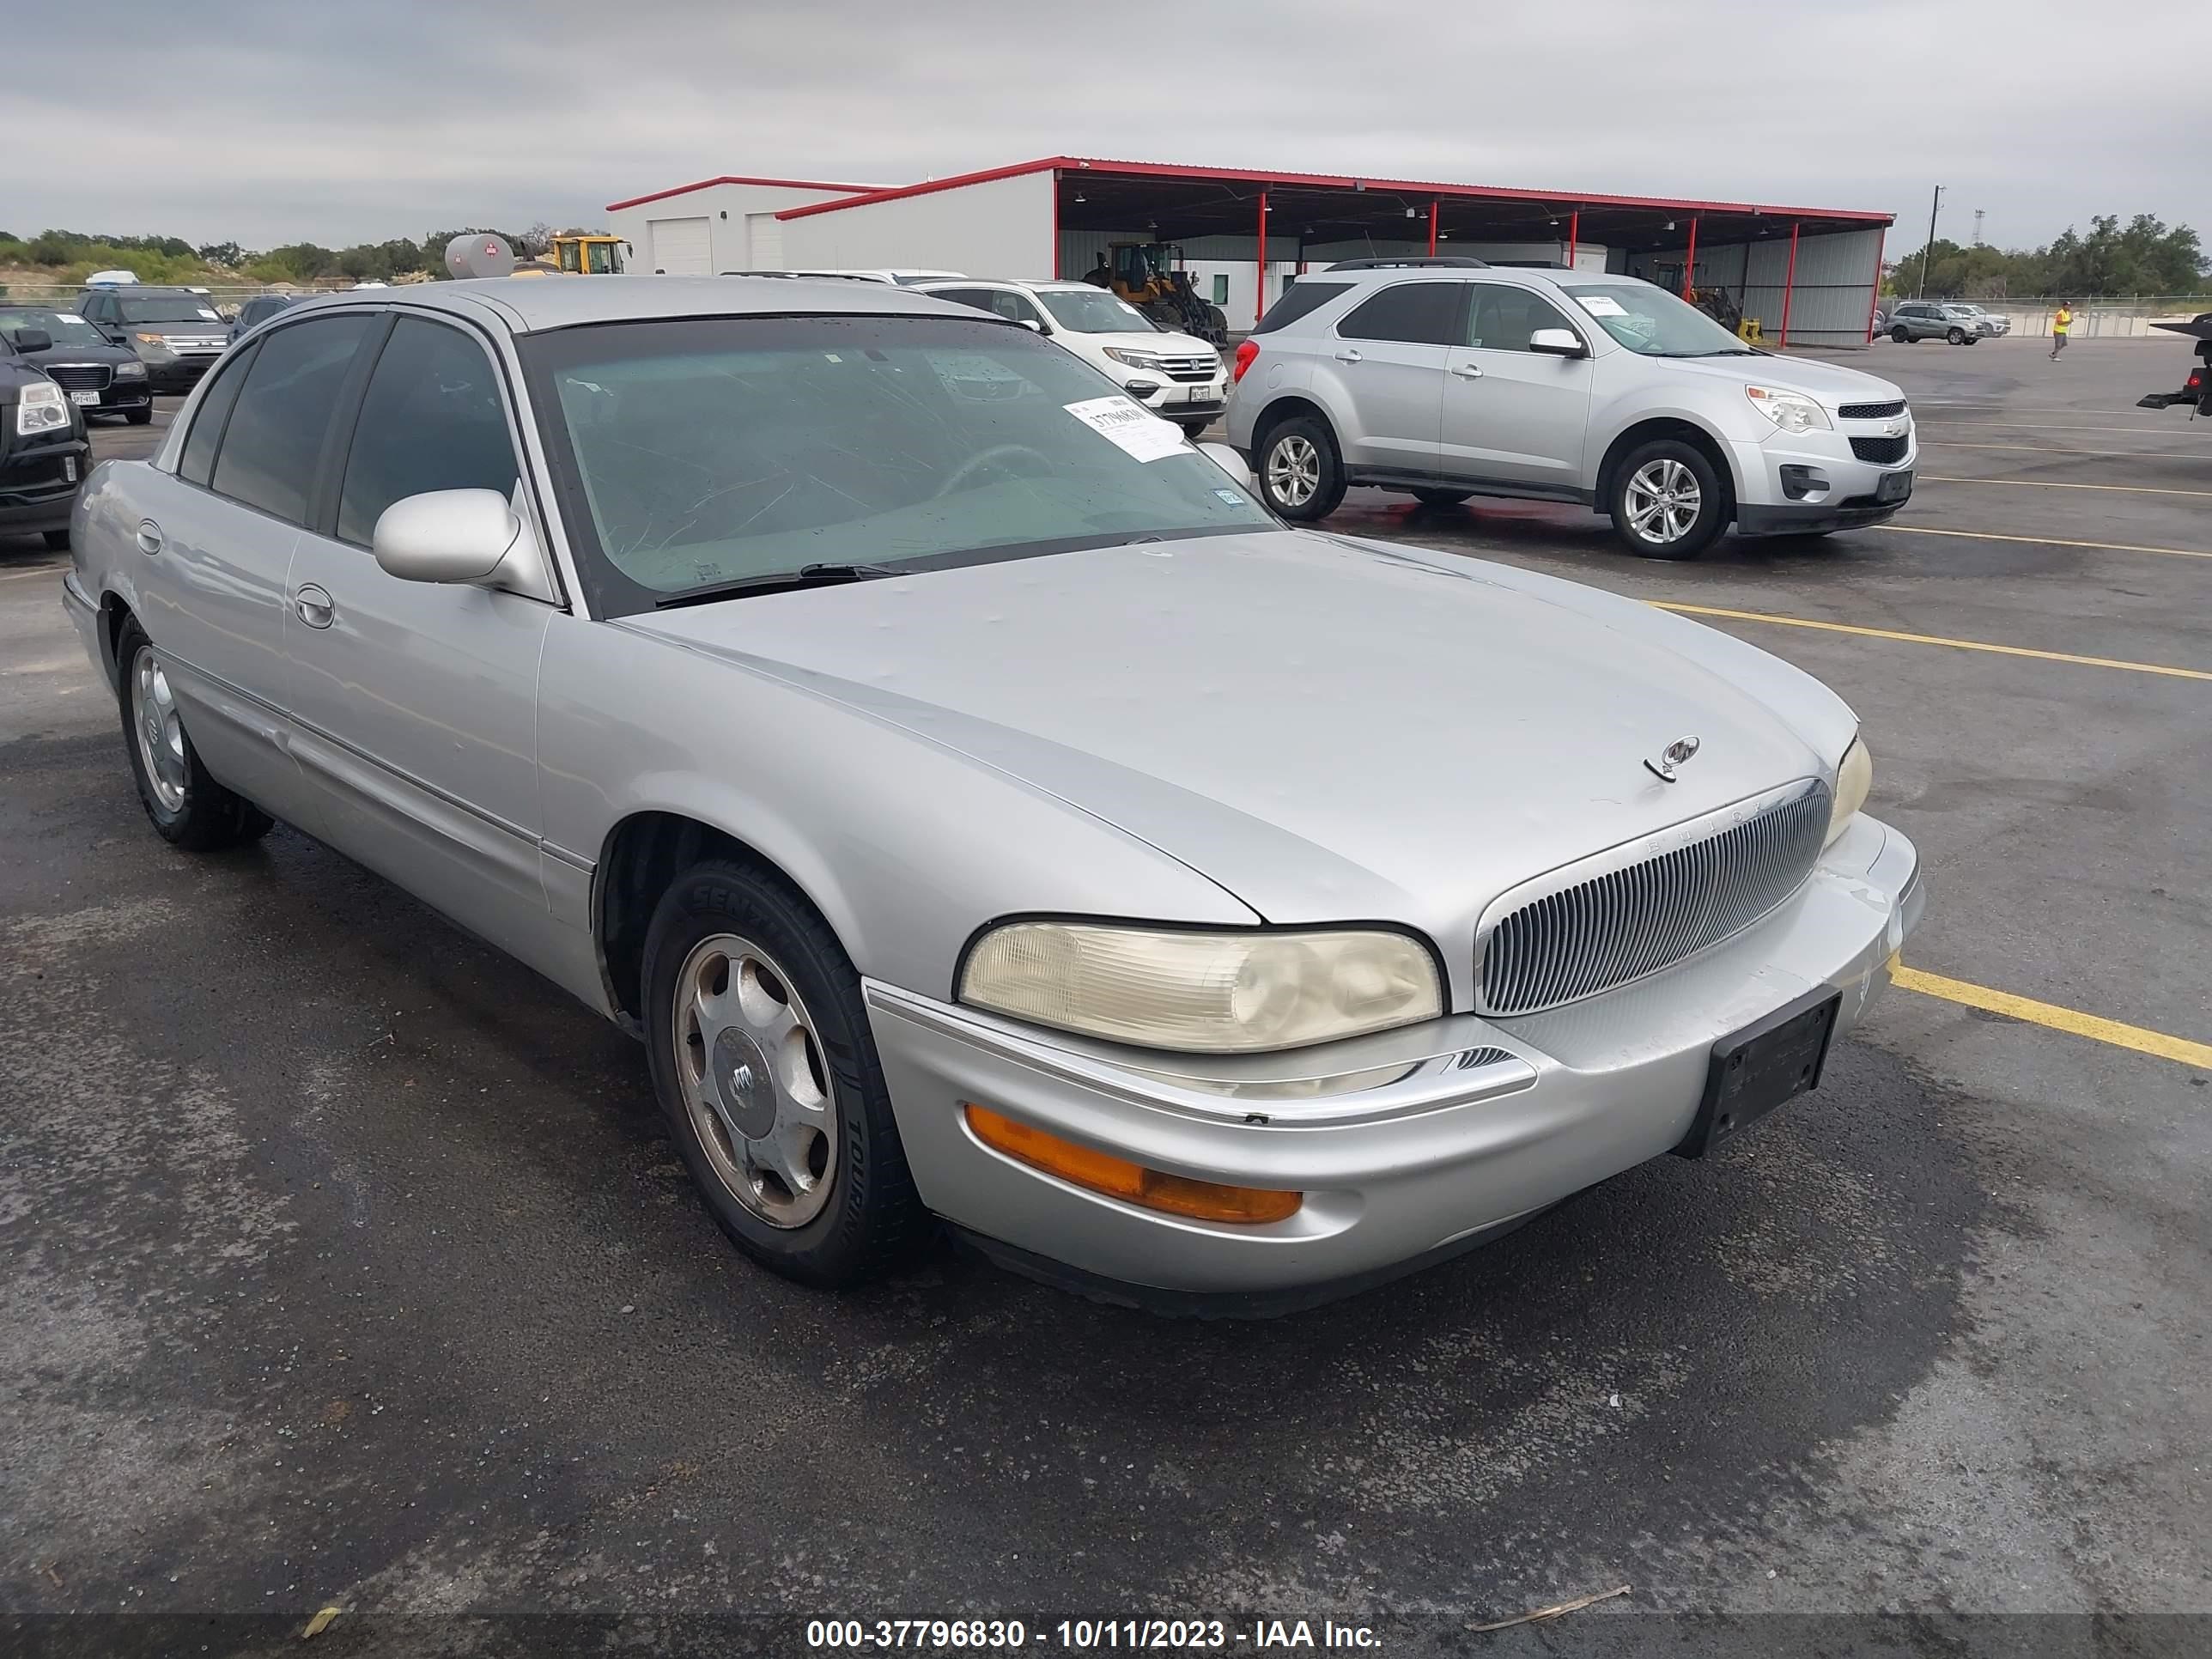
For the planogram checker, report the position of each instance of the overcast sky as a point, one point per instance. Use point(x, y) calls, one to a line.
point(270, 121)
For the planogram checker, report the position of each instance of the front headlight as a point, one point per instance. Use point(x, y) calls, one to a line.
point(41, 409)
point(1134, 359)
point(133, 370)
point(1792, 411)
point(1854, 777)
point(151, 340)
point(1233, 991)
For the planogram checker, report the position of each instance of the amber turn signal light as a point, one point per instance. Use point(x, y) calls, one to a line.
point(1102, 1172)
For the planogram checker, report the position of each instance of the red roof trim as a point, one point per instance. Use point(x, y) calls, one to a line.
point(1563, 199)
point(739, 179)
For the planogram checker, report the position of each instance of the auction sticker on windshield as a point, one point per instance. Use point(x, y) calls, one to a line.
point(1140, 432)
point(1600, 305)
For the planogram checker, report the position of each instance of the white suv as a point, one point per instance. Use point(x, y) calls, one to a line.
point(1449, 379)
point(1177, 376)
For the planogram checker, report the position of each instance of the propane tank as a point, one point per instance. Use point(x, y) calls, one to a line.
point(479, 254)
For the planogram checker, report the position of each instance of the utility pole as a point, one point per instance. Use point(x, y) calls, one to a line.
point(1928, 252)
point(1979, 215)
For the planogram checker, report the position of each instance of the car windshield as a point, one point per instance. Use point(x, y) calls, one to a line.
point(702, 452)
point(169, 308)
point(66, 330)
point(1964, 310)
point(1093, 310)
point(1652, 321)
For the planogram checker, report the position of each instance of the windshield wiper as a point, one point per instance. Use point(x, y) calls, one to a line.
point(778, 581)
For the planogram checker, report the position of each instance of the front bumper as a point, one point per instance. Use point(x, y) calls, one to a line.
point(40, 480)
point(1480, 1122)
point(172, 370)
point(1808, 481)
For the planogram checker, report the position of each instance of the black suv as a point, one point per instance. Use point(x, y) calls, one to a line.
point(175, 332)
point(43, 453)
point(100, 379)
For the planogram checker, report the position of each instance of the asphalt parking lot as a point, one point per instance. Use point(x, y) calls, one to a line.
point(346, 1264)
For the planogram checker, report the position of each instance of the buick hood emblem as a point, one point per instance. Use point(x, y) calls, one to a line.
point(1677, 753)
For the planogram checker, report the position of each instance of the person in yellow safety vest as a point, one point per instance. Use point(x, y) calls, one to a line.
point(2059, 325)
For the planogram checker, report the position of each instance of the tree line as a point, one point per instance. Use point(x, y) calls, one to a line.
point(72, 255)
point(2144, 256)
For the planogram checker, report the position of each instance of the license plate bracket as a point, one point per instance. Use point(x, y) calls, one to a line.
point(1893, 487)
point(1766, 1065)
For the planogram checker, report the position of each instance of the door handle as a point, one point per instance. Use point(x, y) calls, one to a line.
point(1348, 355)
point(1468, 371)
point(149, 536)
point(314, 606)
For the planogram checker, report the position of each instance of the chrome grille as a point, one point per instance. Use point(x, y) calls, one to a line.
point(1871, 411)
point(1187, 369)
point(79, 377)
point(1634, 919)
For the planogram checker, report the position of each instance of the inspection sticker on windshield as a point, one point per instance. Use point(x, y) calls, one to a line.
point(1142, 433)
point(1600, 305)
point(208, 311)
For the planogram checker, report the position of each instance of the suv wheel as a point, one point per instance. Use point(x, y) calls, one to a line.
point(1901, 334)
point(1300, 472)
point(1956, 337)
point(1667, 500)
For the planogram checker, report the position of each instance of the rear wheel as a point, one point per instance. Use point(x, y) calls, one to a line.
point(189, 809)
point(763, 1061)
point(1441, 497)
point(1667, 501)
point(1301, 474)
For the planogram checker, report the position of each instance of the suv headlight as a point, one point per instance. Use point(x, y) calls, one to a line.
point(151, 340)
point(1227, 991)
point(41, 407)
point(1134, 359)
point(1792, 411)
point(1854, 777)
point(133, 370)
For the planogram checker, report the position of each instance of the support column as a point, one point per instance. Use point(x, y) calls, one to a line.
point(1789, 283)
point(1574, 235)
point(1873, 288)
point(1259, 303)
point(1690, 264)
point(1432, 227)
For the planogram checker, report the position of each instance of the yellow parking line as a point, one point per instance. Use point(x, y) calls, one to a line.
point(2040, 540)
point(2055, 449)
point(2095, 1026)
point(1932, 639)
point(2039, 483)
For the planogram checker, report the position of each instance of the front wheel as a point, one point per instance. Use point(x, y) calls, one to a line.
point(1192, 428)
point(1301, 474)
point(1667, 502)
point(762, 1060)
point(1956, 335)
point(56, 541)
point(140, 417)
point(1901, 334)
point(189, 808)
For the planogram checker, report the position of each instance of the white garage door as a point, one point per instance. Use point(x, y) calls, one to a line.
point(679, 247)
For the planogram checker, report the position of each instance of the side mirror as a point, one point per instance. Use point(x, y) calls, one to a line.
point(1556, 342)
point(1032, 324)
point(461, 536)
point(1229, 461)
point(32, 339)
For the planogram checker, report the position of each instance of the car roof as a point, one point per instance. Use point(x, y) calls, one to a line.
point(532, 304)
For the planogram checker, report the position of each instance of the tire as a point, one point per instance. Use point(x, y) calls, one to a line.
point(1192, 428)
point(1955, 337)
point(804, 1169)
point(1300, 473)
point(1441, 497)
point(1973, 339)
point(188, 808)
point(56, 541)
point(1655, 482)
point(140, 417)
point(1901, 334)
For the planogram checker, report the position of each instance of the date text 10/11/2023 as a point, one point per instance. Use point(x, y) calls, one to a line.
point(1184, 1635)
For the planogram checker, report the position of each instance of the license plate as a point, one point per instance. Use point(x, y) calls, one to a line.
point(1893, 487)
point(1203, 394)
point(1762, 1067)
point(85, 399)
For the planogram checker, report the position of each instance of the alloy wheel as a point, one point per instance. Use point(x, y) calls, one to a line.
point(754, 1081)
point(1664, 500)
point(160, 733)
point(1294, 471)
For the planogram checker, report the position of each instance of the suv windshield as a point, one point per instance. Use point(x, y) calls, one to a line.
point(1094, 311)
point(701, 452)
point(169, 308)
point(1654, 322)
point(66, 329)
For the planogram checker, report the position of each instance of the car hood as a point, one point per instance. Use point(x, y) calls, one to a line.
point(70, 351)
point(1829, 384)
point(1328, 729)
point(1160, 344)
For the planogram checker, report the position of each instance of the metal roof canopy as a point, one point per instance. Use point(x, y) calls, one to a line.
point(1183, 203)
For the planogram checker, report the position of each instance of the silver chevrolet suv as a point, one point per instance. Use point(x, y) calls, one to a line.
point(1447, 379)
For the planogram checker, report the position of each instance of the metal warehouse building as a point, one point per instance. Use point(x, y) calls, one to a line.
point(1809, 275)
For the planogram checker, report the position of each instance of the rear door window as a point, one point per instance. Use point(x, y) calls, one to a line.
point(431, 419)
point(275, 438)
point(216, 403)
point(1415, 314)
point(1301, 300)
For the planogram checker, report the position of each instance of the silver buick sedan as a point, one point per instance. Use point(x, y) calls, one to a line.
point(986, 815)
